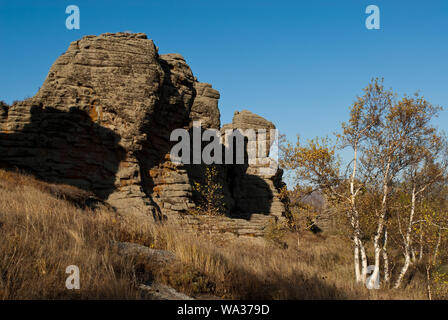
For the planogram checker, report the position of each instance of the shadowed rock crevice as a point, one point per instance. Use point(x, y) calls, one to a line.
point(162, 181)
point(244, 193)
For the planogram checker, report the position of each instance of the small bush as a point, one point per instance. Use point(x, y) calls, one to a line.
point(211, 195)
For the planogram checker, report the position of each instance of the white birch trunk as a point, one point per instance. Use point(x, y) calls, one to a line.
point(359, 248)
point(420, 253)
point(407, 242)
point(379, 231)
point(407, 263)
point(386, 259)
point(436, 249)
point(363, 262)
point(356, 260)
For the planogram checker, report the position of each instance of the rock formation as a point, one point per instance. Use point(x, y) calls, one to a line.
point(255, 187)
point(102, 122)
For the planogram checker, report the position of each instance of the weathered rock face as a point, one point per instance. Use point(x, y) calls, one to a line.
point(205, 107)
point(102, 122)
point(255, 186)
point(86, 125)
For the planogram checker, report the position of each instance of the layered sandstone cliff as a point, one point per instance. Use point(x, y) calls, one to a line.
point(102, 122)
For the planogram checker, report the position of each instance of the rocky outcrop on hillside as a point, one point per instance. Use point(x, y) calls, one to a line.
point(255, 186)
point(102, 121)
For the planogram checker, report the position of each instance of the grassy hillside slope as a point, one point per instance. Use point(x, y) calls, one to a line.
point(44, 228)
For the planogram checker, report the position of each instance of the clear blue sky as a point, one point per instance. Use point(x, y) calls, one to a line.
point(300, 64)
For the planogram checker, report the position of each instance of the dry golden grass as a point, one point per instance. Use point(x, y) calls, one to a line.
point(242, 269)
point(42, 234)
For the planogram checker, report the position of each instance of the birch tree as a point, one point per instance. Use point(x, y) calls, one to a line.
point(402, 134)
point(417, 181)
point(365, 115)
point(394, 151)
